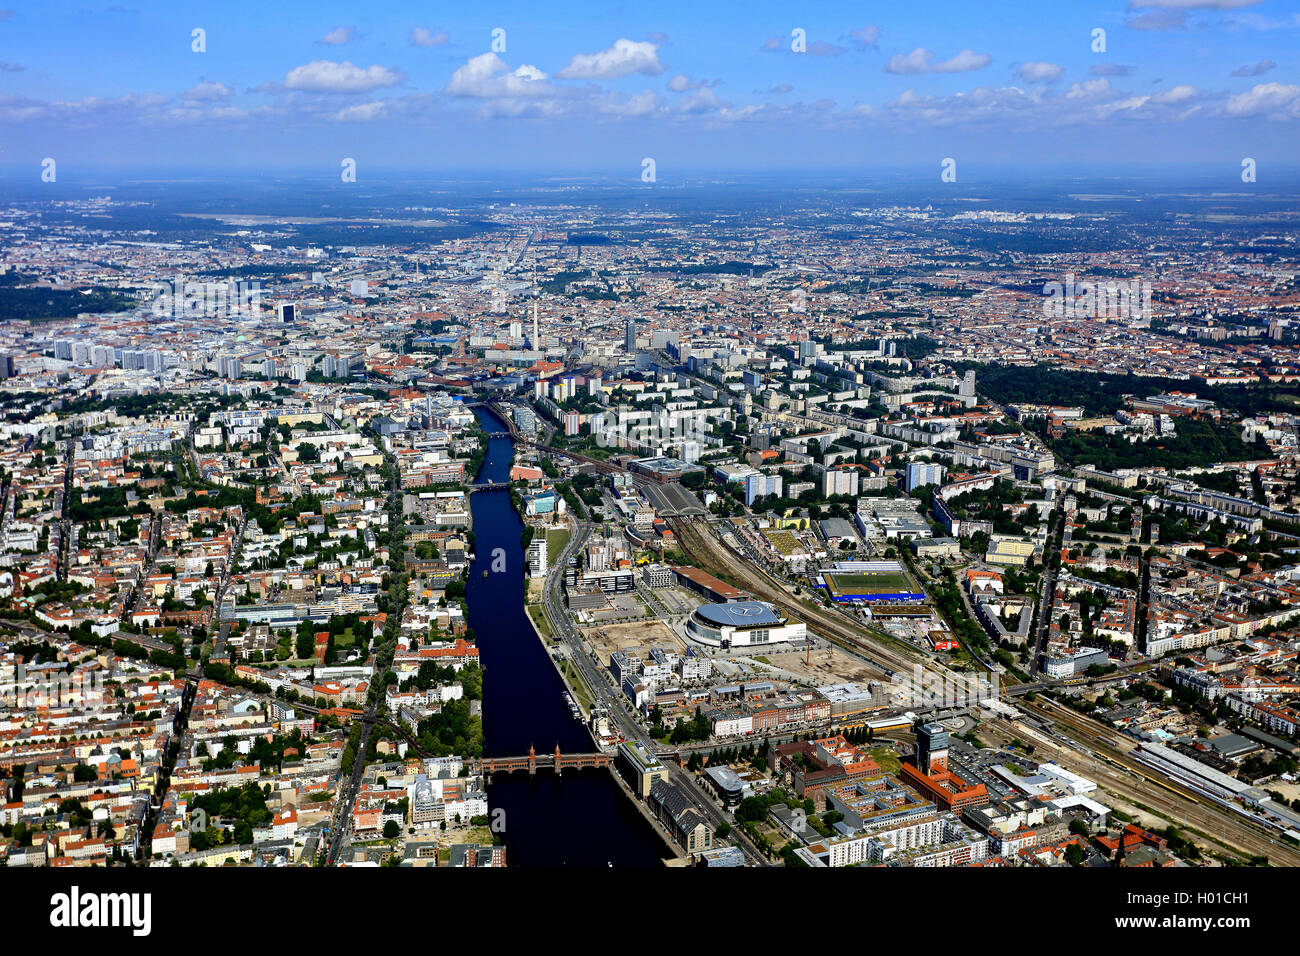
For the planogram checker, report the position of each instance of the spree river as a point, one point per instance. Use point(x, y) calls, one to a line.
point(581, 818)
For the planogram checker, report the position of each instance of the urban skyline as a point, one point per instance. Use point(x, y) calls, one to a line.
point(720, 88)
point(598, 441)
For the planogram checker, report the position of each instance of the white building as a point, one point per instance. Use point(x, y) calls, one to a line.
point(743, 624)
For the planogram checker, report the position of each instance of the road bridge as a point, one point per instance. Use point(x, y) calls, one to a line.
point(533, 761)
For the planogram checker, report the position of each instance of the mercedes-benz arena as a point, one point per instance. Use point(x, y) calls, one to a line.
point(743, 624)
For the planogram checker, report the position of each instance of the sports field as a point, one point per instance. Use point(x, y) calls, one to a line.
point(886, 585)
point(881, 581)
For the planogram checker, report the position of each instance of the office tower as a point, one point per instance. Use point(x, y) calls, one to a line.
point(6, 366)
point(629, 335)
point(931, 748)
point(967, 388)
point(286, 313)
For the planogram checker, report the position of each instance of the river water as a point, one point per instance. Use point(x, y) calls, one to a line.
point(580, 818)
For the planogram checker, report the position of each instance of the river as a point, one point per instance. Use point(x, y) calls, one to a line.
point(581, 818)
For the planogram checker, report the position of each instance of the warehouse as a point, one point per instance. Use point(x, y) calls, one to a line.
point(705, 584)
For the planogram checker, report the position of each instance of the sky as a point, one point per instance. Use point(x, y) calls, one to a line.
point(556, 89)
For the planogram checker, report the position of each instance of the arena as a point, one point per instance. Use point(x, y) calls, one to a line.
point(743, 624)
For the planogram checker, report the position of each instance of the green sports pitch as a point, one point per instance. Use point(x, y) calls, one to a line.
point(886, 585)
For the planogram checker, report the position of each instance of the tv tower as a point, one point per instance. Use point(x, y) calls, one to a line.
point(536, 338)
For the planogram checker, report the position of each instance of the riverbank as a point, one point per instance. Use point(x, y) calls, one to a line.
point(585, 696)
point(574, 819)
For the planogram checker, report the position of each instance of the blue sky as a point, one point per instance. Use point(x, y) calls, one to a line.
point(599, 86)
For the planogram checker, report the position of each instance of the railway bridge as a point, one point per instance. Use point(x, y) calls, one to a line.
point(533, 761)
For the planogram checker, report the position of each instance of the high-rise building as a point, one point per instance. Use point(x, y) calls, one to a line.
point(839, 481)
point(341, 366)
point(932, 748)
point(286, 313)
point(923, 473)
point(6, 366)
point(759, 486)
point(967, 388)
point(629, 335)
point(537, 554)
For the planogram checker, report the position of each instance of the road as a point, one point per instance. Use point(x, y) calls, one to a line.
point(1047, 592)
point(346, 798)
point(151, 560)
point(65, 521)
point(612, 702)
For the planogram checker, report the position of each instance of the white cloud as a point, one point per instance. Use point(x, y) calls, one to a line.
point(1277, 100)
point(326, 76)
point(1158, 20)
point(963, 62)
point(1039, 71)
point(1178, 94)
point(339, 36)
point(640, 104)
point(684, 83)
point(920, 60)
point(209, 92)
point(487, 76)
point(867, 36)
point(1254, 69)
point(624, 58)
point(701, 101)
point(361, 112)
point(980, 104)
point(422, 36)
point(1097, 89)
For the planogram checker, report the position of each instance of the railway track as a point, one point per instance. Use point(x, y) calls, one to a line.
point(705, 547)
point(1109, 761)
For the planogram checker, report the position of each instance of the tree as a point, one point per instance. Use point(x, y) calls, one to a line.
point(391, 830)
point(306, 642)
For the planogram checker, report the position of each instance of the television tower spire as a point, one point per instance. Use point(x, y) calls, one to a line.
point(536, 339)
